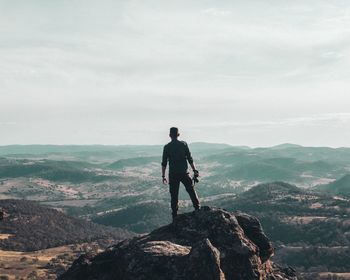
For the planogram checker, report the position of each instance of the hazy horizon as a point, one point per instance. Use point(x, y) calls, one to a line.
point(254, 73)
point(161, 144)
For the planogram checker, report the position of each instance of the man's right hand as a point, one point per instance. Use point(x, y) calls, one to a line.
point(165, 181)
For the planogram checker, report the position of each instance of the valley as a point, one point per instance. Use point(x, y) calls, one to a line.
point(300, 194)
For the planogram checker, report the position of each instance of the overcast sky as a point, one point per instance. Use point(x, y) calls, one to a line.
point(243, 72)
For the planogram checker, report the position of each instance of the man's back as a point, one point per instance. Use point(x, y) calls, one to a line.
point(178, 153)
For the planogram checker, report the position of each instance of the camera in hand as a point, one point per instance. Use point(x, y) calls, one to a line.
point(195, 176)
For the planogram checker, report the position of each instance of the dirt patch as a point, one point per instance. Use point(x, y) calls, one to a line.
point(42, 264)
point(330, 275)
point(5, 236)
point(304, 219)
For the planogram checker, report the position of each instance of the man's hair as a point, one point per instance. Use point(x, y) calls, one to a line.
point(174, 131)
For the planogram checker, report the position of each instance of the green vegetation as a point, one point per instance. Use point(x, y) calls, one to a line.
point(338, 187)
point(35, 227)
point(140, 218)
point(133, 162)
point(120, 186)
point(58, 171)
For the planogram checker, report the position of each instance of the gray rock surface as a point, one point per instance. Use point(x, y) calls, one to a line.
point(209, 244)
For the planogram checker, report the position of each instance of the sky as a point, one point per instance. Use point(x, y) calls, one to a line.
point(243, 72)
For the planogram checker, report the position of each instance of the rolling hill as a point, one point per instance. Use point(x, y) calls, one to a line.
point(140, 217)
point(59, 171)
point(338, 187)
point(133, 162)
point(31, 227)
point(269, 191)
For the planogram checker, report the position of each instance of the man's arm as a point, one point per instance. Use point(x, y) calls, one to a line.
point(163, 171)
point(164, 164)
point(189, 158)
point(193, 166)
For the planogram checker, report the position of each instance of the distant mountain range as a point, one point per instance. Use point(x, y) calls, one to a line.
point(308, 166)
point(90, 152)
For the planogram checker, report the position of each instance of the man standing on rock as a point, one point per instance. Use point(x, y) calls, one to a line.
point(178, 153)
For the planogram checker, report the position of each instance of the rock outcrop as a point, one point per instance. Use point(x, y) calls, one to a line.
point(2, 214)
point(209, 244)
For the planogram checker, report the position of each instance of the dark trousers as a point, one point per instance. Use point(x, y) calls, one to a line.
point(174, 184)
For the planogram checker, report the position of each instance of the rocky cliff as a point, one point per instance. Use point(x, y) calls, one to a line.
point(207, 244)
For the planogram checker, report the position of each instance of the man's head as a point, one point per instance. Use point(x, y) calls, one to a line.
point(174, 133)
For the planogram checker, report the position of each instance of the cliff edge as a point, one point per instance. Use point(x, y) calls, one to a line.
point(208, 244)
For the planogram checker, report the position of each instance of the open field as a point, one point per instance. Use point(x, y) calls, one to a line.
point(42, 264)
point(24, 265)
point(338, 276)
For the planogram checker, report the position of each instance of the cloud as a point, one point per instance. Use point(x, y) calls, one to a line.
point(7, 123)
point(216, 12)
point(128, 63)
point(321, 119)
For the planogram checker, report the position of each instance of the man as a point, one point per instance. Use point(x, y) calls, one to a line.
point(178, 153)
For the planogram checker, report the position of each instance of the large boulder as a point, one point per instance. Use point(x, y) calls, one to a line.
point(211, 244)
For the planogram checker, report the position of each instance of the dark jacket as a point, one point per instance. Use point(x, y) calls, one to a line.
point(177, 153)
